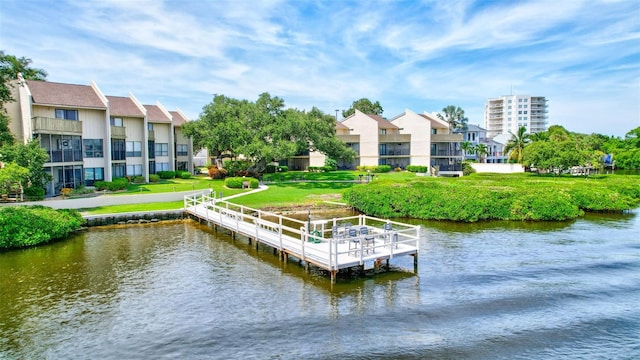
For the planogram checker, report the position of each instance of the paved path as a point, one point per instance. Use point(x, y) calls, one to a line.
point(109, 200)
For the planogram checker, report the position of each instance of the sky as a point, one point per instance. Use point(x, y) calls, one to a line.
point(583, 56)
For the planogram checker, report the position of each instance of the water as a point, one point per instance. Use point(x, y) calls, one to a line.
point(492, 290)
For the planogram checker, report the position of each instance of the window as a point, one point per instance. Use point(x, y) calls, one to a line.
point(92, 148)
point(525, 118)
point(519, 117)
point(520, 112)
point(182, 150)
point(509, 113)
point(67, 114)
point(383, 131)
point(152, 150)
point(509, 107)
point(115, 121)
point(519, 106)
point(525, 112)
point(162, 149)
point(162, 167)
point(525, 100)
point(519, 100)
point(150, 126)
point(509, 101)
point(92, 175)
point(525, 106)
point(183, 166)
point(152, 167)
point(134, 170)
point(119, 170)
point(434, 131)
point(134, 149)
point(118, 150)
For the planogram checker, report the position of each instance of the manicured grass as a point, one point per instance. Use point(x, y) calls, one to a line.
point(117, 209)
point(171, 185)
point(295, 194)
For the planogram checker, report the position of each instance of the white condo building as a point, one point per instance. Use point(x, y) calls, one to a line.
point(507, 113)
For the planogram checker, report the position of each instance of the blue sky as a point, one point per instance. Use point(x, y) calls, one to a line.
point(584, 56)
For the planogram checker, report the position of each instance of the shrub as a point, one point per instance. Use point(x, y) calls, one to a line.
point(216, 173)
point(237, 167)
point(166, 174)
point(374, 169)
point(184, 174)
point(467, 169)
point(417, 168)
point(34, 193)
point(154, 178)
point(22, 226)
point(138, 179)
point(115, 185)
point(236, 182)
point(283, 168)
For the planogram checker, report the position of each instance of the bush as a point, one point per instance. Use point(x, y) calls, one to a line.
point(216, 173)
point(237, 167)
point(417, 168)
point(184, 174)
point(154, 178)
point(283, 168)
point(138, 179)
point(166, 174)
point(467, 169)
point(236, 182)
point(115, 185)
point(374, 169)
point(34, 193)
point(22, 226)
point(271, 169)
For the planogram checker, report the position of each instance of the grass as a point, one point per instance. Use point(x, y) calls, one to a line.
point(295, 194)
point(115, 209)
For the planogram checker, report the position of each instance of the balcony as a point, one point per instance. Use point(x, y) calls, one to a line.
point(349, 138)
point(436, 138)
point(118, 132)
point(394, 138)
point(45, 125)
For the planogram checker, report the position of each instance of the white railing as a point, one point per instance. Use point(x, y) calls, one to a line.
point(326, 247)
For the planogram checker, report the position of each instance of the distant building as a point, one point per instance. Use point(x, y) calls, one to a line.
point(508, 112)
point(475, 135)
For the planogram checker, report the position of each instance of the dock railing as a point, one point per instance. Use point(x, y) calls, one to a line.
point(328, 243)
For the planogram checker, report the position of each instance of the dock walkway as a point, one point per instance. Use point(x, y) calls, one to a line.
point(330, 244)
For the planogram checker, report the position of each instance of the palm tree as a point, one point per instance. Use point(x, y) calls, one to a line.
point(516, 145)
point(467, 148)
point(454, 116)
point(482, 150)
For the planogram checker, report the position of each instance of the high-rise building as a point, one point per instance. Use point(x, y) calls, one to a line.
point(507, 113)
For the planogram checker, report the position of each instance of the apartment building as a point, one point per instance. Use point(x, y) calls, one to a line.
point(91, 137)
point(507, 113)
point(407, 139)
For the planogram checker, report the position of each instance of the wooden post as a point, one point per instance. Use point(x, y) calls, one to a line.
point(415, 263)
point(333, 276)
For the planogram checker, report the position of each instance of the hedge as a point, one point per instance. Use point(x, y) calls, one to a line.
point(115, 185)
point(22, 226)
point(166, 174)
point(417, 168)
point(374, 169)
point(236, 182)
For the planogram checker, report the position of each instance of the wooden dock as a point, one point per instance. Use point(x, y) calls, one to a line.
point(330, 244)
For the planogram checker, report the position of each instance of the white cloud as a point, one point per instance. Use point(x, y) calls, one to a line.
point(582, 55)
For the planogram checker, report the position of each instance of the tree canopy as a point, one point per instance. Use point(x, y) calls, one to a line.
point(10, 66)
point(364, 105)
point(454, 116)
point(264, 131)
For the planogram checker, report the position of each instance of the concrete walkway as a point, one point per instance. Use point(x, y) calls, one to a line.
point(110, 200)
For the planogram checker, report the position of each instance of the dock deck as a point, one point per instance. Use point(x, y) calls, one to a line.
point(330, 244)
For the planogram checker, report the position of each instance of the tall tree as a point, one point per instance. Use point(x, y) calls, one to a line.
point(364, 105)
point(30, 156)
point(454, 116)
point(264, 131)
point(10, 66)
point(516, 144)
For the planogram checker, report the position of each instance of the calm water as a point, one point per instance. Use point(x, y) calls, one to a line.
point(492, 290)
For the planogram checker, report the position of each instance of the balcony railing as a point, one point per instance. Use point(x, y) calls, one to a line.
point(47, 125)
point(435, 138)
point(118, 132)
point(71, 155)
point(397, 138)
